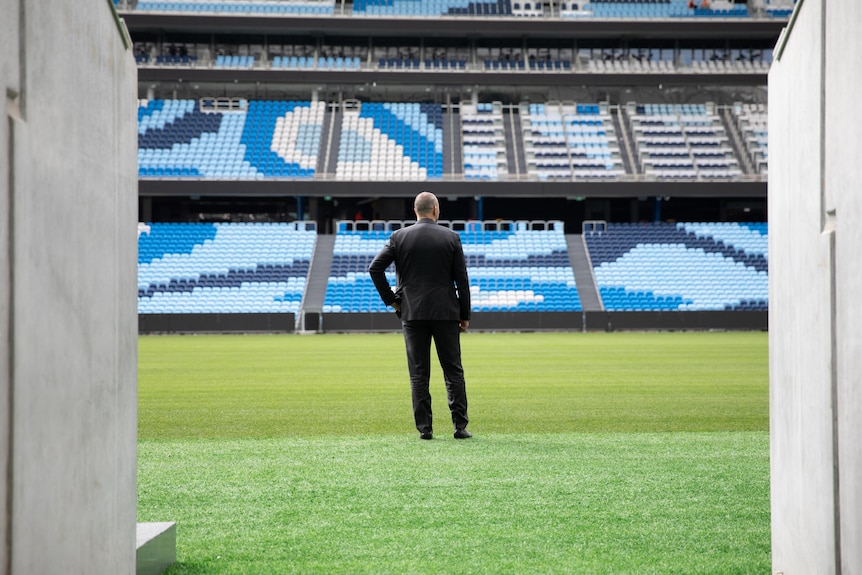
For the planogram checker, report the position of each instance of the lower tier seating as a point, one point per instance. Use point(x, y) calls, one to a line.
point(683, 266)
point(223, 268)
point(515, 269)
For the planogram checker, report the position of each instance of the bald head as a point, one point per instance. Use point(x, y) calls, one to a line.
point(426, 206)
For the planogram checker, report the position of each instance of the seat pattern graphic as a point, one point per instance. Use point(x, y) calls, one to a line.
point(520, 270)
point(391, 141)
point(222, 267)
point(682, 266)
point(262, 139)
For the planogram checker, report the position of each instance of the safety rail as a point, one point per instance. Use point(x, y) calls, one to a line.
point(456, 225)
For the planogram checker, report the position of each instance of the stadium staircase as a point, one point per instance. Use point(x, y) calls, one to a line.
point(330, 132)
point(453, 158)
point(333, 137)
point(736, 141)
point(621, 125)
point(515, 157)
point(315, 288)
point(583, 270)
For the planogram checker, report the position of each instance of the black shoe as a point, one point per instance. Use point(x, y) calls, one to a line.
point(426, 435)
point(462, 434)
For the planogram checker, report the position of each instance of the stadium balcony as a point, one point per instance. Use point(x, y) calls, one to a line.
point(512, 266)
point(680, 267)
point(223, 268)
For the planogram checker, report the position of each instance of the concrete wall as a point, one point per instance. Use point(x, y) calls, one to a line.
point(815, 214)
point(68, 359)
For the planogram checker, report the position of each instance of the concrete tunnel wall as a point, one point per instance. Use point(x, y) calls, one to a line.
point(68, 323)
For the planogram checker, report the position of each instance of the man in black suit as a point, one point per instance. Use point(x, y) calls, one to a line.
point(429, 265)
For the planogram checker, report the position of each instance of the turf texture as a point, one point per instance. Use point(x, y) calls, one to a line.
point(593, 453)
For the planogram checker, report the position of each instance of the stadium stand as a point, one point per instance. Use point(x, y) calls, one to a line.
point(223, 267)
point(682, 141)
point(248, 140)
point(680, 267)
point(483, 140)
point(566, 140)
point(390, 141)
point(235, 139)
point(513, 266)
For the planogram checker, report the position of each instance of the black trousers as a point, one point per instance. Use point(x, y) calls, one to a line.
point(447, 339)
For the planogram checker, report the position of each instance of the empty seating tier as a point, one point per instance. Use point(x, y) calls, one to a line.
point(398, 141)
point(483, 141)
point(223, 268)
point(519, 269)
point(682, 141)
point(255, 140)
point(433, 7)
point(566, 141)
point(683, 266)
point(295, 7)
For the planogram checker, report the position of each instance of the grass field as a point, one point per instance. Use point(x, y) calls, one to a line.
point(593, 453)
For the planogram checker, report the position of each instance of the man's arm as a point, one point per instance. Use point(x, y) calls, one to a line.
point(462, 282)
point(377, 270)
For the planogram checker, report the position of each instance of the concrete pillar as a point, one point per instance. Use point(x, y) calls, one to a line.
point(815, 236)
point(68, 338)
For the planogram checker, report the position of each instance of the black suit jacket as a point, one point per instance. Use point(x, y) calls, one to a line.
point(429, 265)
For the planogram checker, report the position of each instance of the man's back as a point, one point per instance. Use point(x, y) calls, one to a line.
point(429, 263)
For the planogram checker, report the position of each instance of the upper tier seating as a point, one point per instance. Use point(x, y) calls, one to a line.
point(779, 8)
point(685, 141)
point(683, 266)
point(400, 141)
point(310, 7)
point(257, 139)
point(483, 141)
point(223, 268)
point(234, 61)
point(435, 8)
point(514, 269)
point(230, 139)
point(562, 141)
point(656, 9)
point(322, 63)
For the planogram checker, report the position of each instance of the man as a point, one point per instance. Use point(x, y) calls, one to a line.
point(429, 265)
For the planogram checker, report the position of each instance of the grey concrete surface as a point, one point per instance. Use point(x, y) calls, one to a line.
point(815, 349)
point(843, 179)
point(68, 349)
point(156, 547)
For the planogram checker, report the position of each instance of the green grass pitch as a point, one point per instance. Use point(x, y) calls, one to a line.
point(593, 453)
